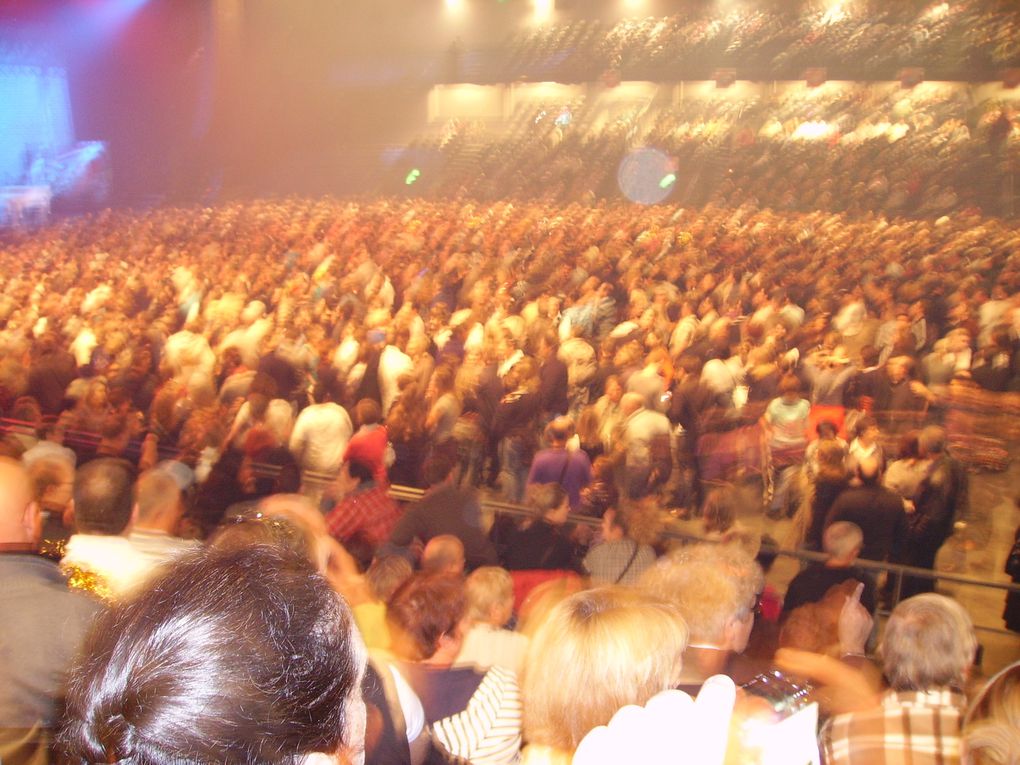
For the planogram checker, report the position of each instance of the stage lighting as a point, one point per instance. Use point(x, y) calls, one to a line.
point(543, 10)
point(412, 177)
point(454, 6)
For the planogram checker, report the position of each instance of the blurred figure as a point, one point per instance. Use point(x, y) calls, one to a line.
point(715, 587)
point(542, 542)
point(877, 511)
point(365, 511)
point(259, 662)
point(943, 498)
point(158, 513)
point(98, 558)
point(444, 509)
point(991, 729)
point(632, 640)
point(443, 554)
point(558, 464)
point(618, 558)
point(474, 715)
point(927, 651)
point(490, 595)
point(842, 543)
point(43, 625)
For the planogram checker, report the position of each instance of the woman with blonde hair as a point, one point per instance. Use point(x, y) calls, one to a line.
point(991, 729)
point(630, 641)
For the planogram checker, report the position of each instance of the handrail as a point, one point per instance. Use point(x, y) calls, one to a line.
point(411, 494)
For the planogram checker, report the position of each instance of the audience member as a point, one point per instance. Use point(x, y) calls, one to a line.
point(715, 588)
point(632, 640)
point(42, 629)
point(259, 662)
point(99, 559)
point(487, 642)
point(474, 715)
point(927, 652)
point(842, 542)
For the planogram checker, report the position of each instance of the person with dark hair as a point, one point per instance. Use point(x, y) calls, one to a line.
point(42, 627)
point(553, 378)
point(942, 499)
point(51, 371)
point(364, 509)
point(259, 661)
point(98, 558)
point(542, 543)
point(444, 509)
point(566, 467)
point(474, 715)
point(877, 511)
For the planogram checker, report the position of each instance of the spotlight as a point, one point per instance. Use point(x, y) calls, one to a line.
point(543, 10)
point(454, 6)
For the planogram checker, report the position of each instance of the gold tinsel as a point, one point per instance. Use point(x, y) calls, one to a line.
point(87, 581)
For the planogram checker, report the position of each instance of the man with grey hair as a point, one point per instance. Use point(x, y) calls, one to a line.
point(715, 587)
point(842, 542)
point(927, 652)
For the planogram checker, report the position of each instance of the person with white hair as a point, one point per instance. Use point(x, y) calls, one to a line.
point(715, 587)
point(842, 542)
point(927, 651)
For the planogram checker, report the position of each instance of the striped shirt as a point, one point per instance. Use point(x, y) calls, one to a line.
point(486, 730)
point(907, 728)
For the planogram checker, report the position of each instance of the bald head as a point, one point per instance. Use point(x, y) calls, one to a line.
point(159, 501)
point(20, 521)
point(443, 554)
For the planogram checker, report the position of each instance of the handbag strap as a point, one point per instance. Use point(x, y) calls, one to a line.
point(630, 562)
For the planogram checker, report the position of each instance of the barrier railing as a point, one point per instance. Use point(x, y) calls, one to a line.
point(411, 494)
point(899, 572)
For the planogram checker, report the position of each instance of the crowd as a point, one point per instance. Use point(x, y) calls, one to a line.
point(857, 149)
point(217, 401)
point(857, 39)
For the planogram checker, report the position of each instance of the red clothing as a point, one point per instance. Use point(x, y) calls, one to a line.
point(370, 512)
point(368, 445)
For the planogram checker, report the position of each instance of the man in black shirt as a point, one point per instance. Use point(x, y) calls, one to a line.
point(842, 542)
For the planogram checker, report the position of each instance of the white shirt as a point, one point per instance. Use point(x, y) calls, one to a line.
point(393, 363)
point(486, 646)
point(320, 437)
point(113, 558)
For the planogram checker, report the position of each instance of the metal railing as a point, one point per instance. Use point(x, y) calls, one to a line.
point(895, 570)
point(411, 494)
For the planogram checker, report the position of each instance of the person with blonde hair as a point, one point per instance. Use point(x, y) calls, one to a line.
point(490, 598)
point(991, 729)
point(630, 641)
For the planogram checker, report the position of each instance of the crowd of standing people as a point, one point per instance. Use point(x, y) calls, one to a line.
point(190, 384)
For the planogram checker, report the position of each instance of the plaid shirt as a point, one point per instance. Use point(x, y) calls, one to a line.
point(369, 512)
point(908, 728)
